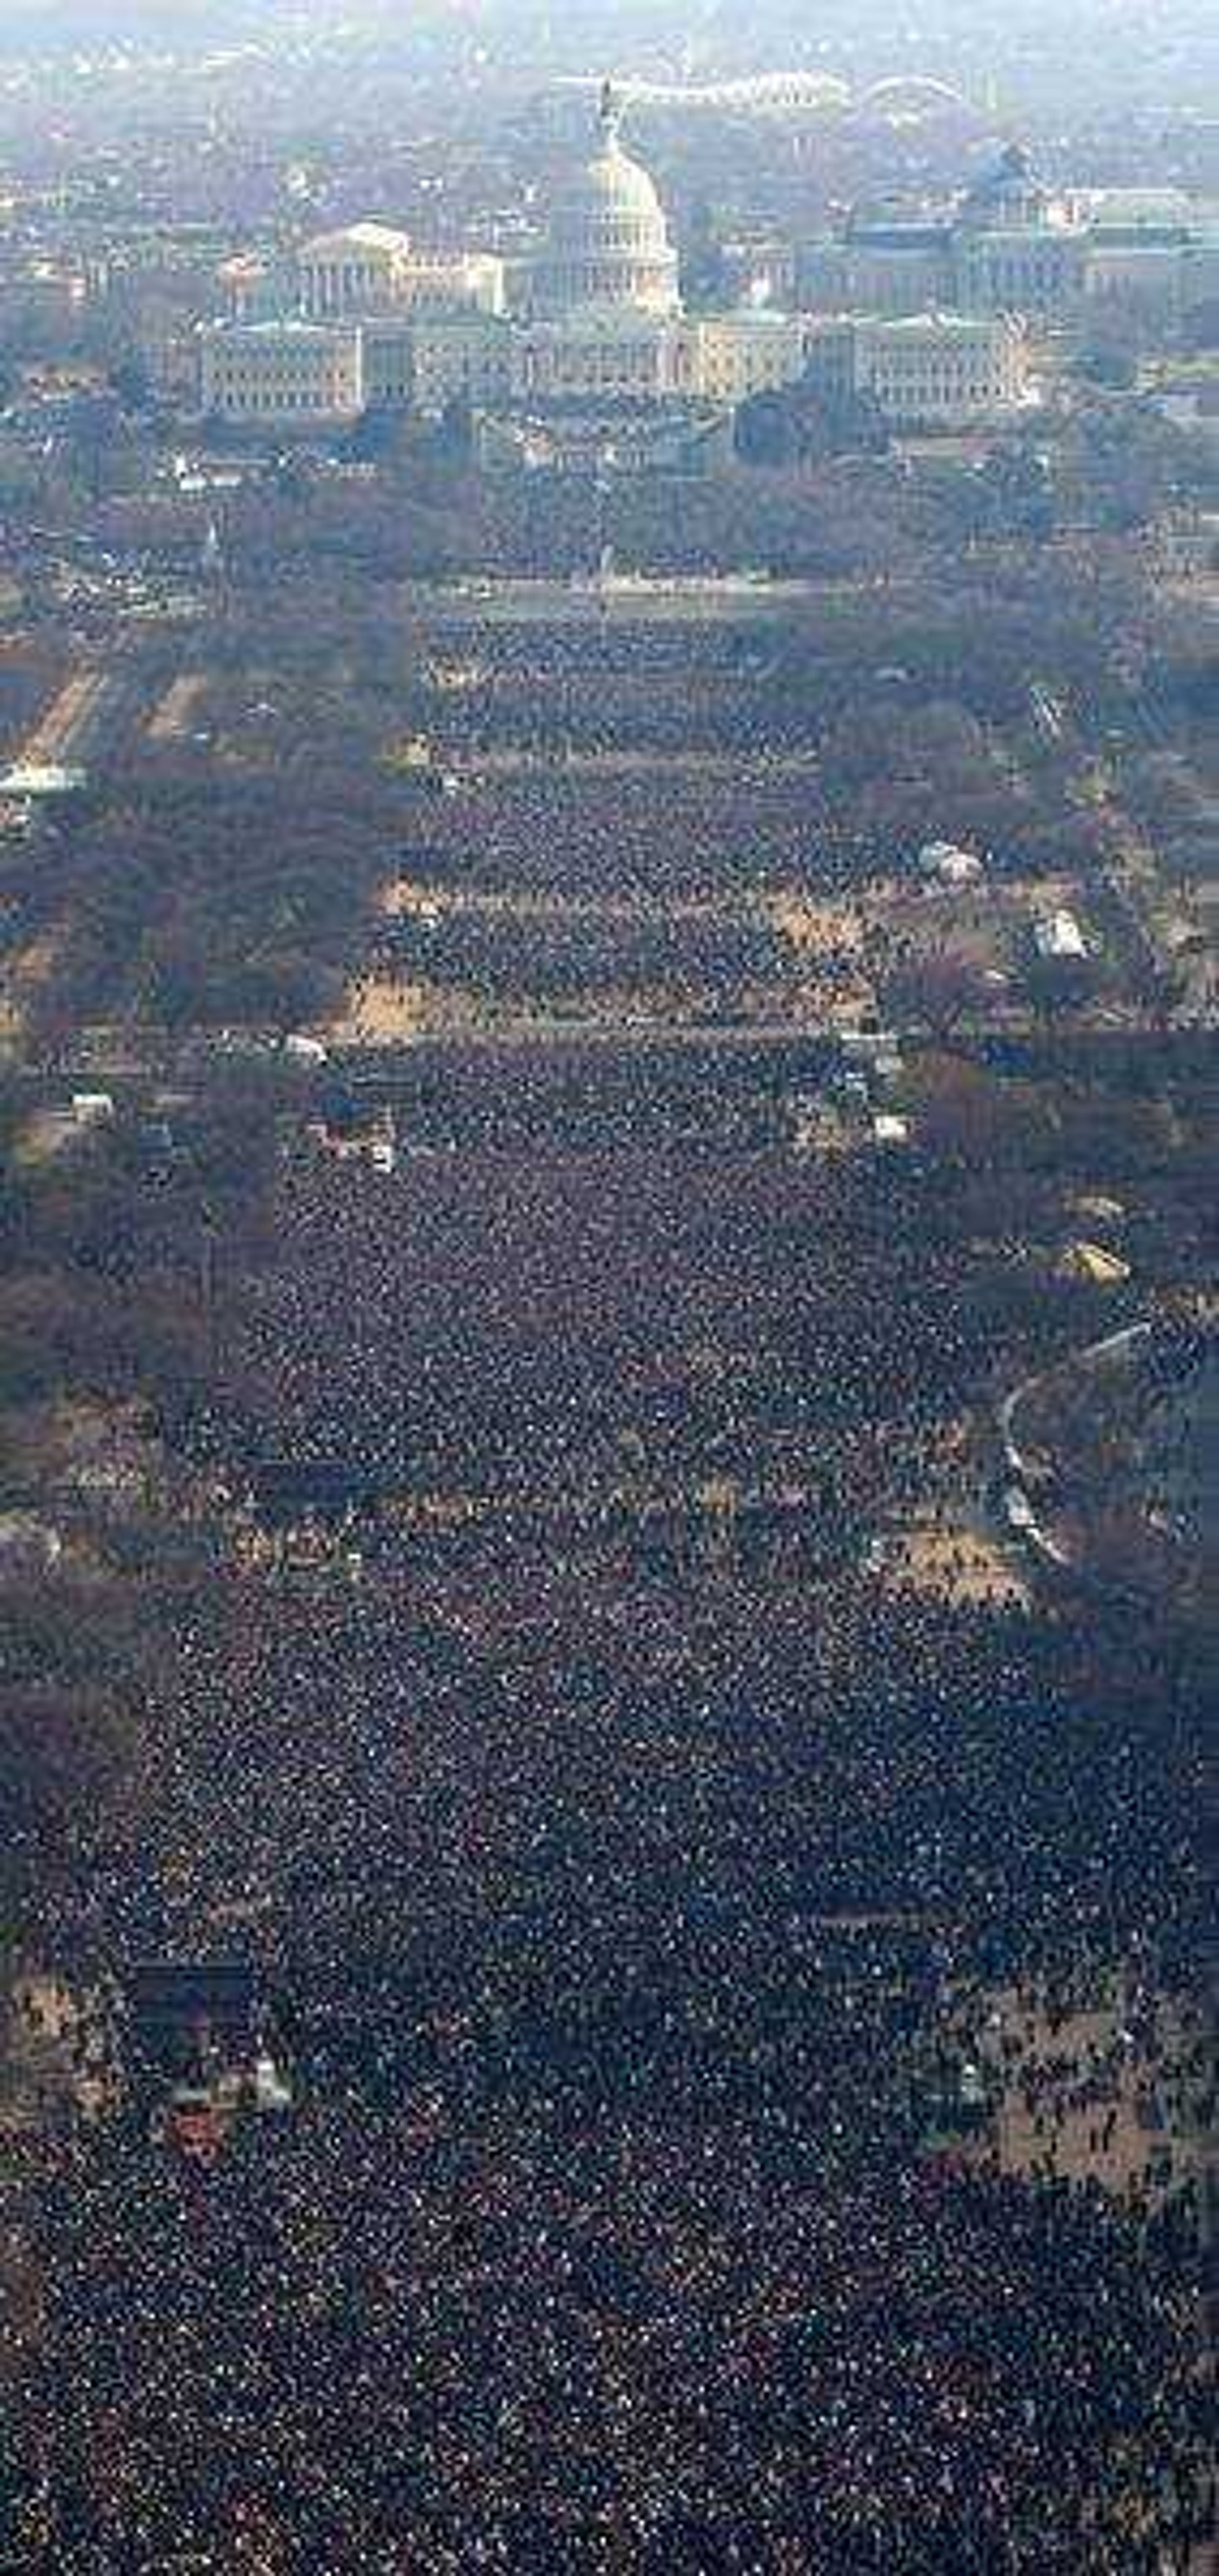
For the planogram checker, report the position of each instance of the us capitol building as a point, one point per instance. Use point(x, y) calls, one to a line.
point(361, 319)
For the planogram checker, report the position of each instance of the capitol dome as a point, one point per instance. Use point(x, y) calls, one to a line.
point(608, 242)
point(1009, 198)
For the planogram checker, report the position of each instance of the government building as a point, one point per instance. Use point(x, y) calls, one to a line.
point(922, 370)
point(361, 320)
point(1010, 244)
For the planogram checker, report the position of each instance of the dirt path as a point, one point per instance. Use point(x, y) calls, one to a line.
point(171, 717)
point(406, 897)
point(1109, 2091)
point(71, 725)
point(953, 1559)
point(22, 976)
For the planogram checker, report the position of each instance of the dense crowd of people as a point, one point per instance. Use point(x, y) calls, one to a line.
point(605, 1851)
point(600, 1928)
point(574, 689)
point(554, 959)
point(402, 2339)
point(662, 1313)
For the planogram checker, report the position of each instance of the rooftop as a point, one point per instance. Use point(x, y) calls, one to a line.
point(381, 239)
point(937, 321)
point(291, 326)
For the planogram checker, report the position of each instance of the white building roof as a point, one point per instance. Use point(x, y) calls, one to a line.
point(284, 326)
point(40, 778)
point(1139, 205)
point(1058, 934)
point(944, 859)
point(354, 241)
point(933, 325)
point(609, 188)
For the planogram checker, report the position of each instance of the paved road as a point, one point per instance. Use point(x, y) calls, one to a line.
point(744, 769)
point(549, 603)
point(575, 908)
point(623, 1032)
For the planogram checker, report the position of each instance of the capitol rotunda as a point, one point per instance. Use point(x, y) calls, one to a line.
point(608, 241)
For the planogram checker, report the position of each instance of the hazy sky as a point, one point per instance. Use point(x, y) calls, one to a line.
point(1160, 54)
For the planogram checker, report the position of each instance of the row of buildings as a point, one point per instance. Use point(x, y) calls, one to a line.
point(361, 319)
point(925, 313)
point(933, 370)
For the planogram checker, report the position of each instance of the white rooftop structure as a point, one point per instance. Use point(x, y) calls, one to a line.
point(271, 2090)
point(1140, 207)
point(40, 778)
point(1058, 934)
point(944, 860)
point(383, 241)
